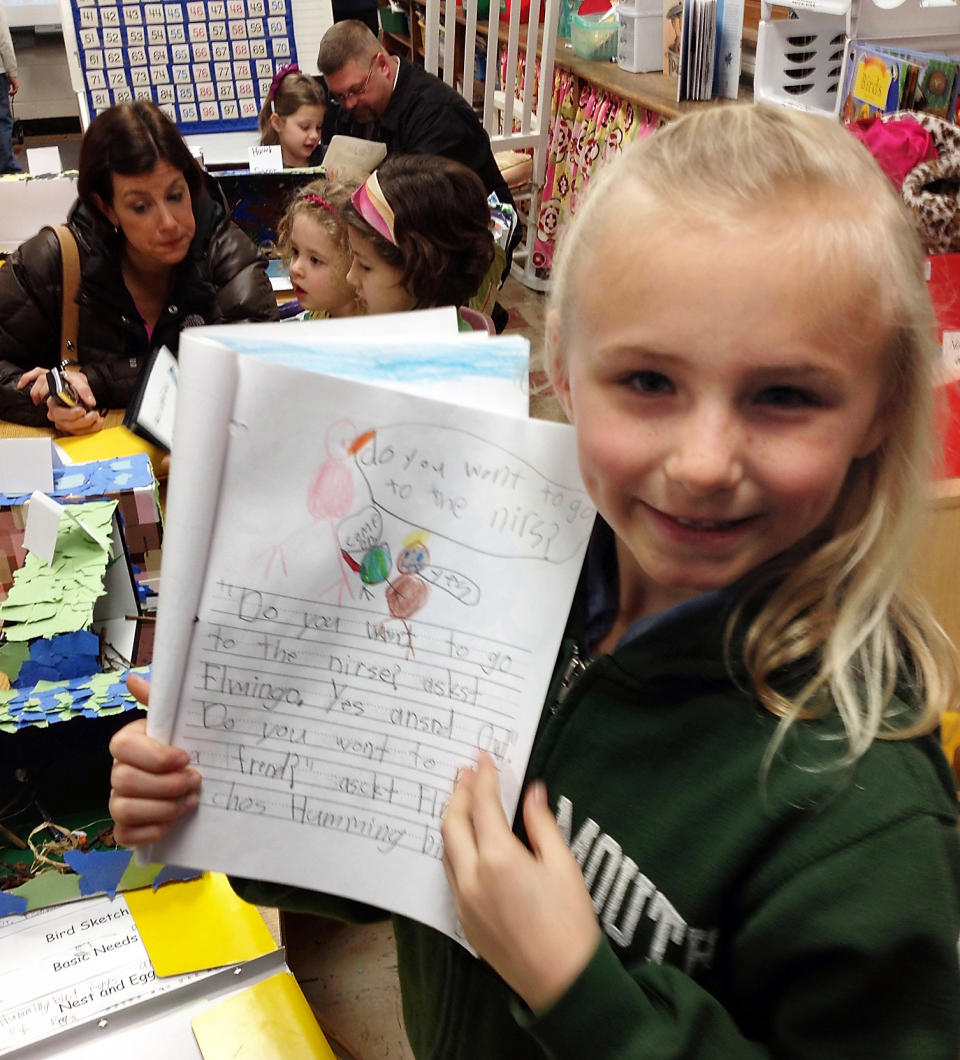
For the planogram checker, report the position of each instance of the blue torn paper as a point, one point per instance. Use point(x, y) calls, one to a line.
point(95, 479)
point(99, 870)
point(175, 874)
point(94, 695)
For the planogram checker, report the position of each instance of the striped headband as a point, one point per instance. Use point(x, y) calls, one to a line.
point(373, 207)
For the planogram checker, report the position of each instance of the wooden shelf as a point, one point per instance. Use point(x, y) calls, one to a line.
point(654, 91)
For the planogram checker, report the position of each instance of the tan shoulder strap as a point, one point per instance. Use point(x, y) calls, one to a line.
point(69, 311)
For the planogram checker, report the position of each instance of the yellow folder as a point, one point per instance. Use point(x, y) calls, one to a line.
point(197, 924)
point(113, 441)
point(270, 1020)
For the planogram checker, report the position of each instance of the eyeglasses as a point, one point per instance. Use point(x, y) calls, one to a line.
point(340, 98)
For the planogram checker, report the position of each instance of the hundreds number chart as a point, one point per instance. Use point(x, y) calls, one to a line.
point(207, 63)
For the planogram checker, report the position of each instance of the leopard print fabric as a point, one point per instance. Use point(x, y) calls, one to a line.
point(931, 190)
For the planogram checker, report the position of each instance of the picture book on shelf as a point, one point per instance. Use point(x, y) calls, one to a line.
point(937, 84)
point(880, 79)
point(702, 47)
point(875, 82)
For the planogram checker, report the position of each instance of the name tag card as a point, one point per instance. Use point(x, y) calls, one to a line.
point(266, 159)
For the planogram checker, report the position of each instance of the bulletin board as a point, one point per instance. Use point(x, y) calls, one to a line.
point(207, 63)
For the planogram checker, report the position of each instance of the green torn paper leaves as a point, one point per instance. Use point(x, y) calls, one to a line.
point(58, 598)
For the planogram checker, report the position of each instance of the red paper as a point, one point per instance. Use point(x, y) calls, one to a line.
point(944, 286)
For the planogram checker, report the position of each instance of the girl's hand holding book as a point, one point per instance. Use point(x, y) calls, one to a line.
point(151, 786)
point(527, 912)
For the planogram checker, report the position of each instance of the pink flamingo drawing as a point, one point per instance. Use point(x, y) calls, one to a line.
point(330, 498)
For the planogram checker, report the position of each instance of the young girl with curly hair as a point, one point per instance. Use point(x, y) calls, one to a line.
point(312, 241)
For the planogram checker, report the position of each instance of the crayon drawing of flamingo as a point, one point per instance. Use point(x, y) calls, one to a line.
point(330, 498)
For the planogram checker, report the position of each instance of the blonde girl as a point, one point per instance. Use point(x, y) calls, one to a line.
point(754, 850)
point(312, 240)
point(292, 116)
point(739, 836)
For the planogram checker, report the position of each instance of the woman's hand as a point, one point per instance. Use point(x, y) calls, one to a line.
point(526, 912)
point(76, 420)
point(80, 419)
point(36, 379)
point(151, 786)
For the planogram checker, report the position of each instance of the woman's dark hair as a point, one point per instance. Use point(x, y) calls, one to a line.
point(130, 139)
point(442, 224)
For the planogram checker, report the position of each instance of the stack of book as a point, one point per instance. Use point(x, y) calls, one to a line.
point(701, 47)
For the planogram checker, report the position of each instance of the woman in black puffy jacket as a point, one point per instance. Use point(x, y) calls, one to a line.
point(158, 252)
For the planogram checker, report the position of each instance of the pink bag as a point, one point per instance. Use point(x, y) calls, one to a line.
point(897, 146)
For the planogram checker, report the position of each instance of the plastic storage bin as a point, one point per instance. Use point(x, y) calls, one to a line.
point(799, 61)
point(640, 42)
point(595, 36)
point(394, 21)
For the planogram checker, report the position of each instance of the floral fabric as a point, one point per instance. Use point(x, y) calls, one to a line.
point(588, 126)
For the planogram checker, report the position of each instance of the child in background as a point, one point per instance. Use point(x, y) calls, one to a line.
point(739, 837)
point(419, 229)
point(292, 116)
point(312, 240)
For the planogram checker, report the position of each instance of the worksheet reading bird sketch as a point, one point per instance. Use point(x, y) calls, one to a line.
point(379, 590)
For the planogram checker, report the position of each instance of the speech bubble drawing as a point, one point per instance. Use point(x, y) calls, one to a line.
point(361, 531)
point(458, 585)
point(473, 492)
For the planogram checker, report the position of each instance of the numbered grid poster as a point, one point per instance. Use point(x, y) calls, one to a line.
point(207, 63)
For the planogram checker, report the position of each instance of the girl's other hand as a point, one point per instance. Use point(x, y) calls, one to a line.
point(527, 912)
point(151, 786)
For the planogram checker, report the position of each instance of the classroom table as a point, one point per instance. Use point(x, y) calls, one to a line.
point(113, 418)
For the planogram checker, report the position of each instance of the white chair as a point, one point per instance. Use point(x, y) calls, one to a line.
point(514, 121)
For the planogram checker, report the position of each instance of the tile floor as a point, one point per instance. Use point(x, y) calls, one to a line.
point(527, 311)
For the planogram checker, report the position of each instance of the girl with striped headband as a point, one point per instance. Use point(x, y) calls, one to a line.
point(419, 229)
point(312, 240)
point(292, 116)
